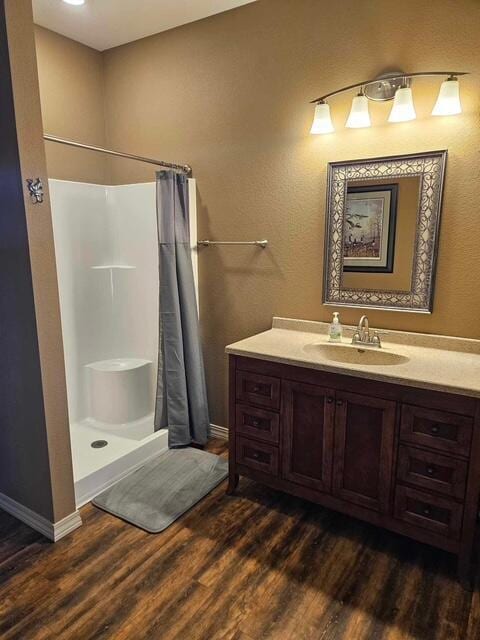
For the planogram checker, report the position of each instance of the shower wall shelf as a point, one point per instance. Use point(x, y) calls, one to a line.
point(113, 266)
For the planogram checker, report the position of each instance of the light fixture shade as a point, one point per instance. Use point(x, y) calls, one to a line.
point(322, 122)
point(448, 101)
point(403, 109)
point(75, 2)
point(359, 116)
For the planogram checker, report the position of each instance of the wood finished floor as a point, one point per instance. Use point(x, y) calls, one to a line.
point(258, 565)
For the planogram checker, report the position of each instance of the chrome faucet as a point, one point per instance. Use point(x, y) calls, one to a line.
point(363, 336)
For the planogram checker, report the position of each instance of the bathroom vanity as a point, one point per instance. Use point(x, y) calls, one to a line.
point(390, 436)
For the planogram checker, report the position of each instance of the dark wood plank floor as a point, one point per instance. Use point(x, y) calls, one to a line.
point(258, 565)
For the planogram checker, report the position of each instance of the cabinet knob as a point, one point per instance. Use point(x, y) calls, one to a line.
point(256, 389)
point(255, 455)
point(434, 428)
point(255, 423)
point(329, 400)
point(339, 403)
point(430, 471)
point(426, 511)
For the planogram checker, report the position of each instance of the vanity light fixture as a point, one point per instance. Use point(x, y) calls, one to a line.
point(394, 86)
point(322, 122)
point(359, 115)
point(403, 109)
point(77, 3)
point(448, 101)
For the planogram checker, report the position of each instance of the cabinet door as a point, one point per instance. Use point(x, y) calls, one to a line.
point(307, 426)
point(364, 441)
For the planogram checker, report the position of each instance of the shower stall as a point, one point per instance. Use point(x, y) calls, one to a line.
point(106, 245)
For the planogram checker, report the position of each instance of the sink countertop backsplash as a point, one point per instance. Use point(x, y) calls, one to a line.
point(441, 363)
point(432, 341)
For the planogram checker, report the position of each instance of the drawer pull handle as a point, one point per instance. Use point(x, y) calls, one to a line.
point(426, 511)
point(430, 471)
point(434, 429)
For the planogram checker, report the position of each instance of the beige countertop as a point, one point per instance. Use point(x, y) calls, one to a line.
point(441, 363)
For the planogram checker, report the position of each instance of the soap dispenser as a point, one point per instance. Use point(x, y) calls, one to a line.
point(335, 331)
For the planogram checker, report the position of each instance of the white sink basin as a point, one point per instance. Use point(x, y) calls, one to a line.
point(346, 354)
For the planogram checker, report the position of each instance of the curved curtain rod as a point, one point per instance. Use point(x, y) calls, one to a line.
point(390, 77)
point(185, 168)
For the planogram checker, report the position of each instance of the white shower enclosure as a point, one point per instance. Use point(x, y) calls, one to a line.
point(107, 265)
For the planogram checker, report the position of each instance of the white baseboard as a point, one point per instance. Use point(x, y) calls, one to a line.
point(66, 525)
point(218, 432)
point(52, 530)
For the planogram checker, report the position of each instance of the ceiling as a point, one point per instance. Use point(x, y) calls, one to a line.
point(103, 24)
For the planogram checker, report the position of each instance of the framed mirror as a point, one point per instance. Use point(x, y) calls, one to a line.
point(382, 227)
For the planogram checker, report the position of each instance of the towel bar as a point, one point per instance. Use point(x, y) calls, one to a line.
point(258, 243)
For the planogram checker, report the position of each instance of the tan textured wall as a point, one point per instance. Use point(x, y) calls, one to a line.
point(230, 94)
point(57, 488)
point(72, 97)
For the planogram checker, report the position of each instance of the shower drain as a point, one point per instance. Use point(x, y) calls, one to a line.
point(99, 444)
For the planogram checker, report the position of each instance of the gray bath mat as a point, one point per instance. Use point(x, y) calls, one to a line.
point(162, 490)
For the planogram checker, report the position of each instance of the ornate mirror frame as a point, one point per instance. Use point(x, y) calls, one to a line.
point(430, 167)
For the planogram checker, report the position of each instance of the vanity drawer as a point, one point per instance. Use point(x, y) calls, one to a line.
point(432, 471)
point(436, 429)
point(257, 455)
point(439, 515)
point(257, 389)
point(257, 423)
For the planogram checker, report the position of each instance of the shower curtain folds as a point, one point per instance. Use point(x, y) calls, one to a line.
point(181, 399)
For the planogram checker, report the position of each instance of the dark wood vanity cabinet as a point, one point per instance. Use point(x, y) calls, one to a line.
point(402, 458)
point(307, 440)
point(367, 425)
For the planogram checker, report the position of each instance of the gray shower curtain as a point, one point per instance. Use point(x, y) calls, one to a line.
point(181, 401)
